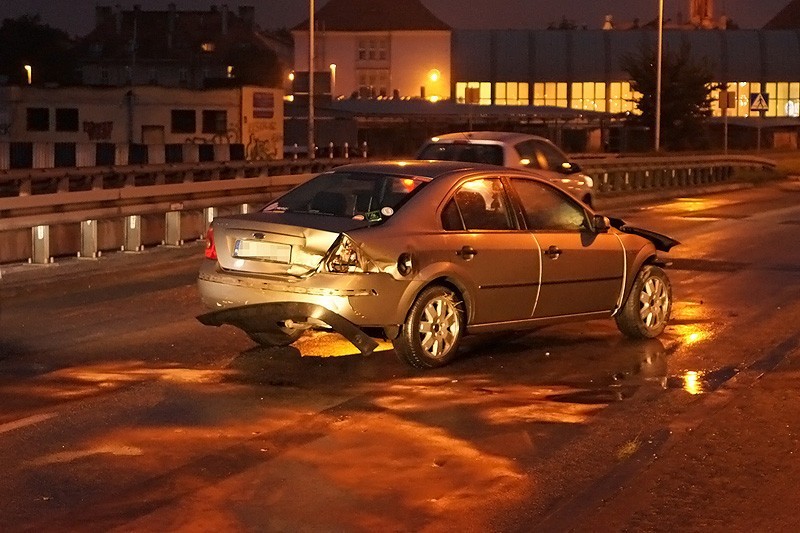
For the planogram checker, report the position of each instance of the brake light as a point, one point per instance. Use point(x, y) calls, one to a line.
point(211, 249)
point(345, 257)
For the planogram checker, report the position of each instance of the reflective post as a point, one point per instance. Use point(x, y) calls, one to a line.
point(133, 234)
point(89, 240)
point(40, 245)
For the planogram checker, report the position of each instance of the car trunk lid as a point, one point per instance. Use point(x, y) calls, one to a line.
point(276, 243)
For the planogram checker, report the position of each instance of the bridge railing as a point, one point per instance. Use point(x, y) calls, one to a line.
point(60, 212)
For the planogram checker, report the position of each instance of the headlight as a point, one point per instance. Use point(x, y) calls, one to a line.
point(344, 257)
point(588, 181)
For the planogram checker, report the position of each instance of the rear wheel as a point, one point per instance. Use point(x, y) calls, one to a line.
point(278, 337)
point(433, 329)
point(646, 310)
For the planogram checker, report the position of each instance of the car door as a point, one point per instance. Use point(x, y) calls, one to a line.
point(582, 270)
point(499, 262)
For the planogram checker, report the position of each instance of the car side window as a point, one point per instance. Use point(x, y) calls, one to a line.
point(480, 204)
point(527, 154)
point(545, 208)
point(550, 158)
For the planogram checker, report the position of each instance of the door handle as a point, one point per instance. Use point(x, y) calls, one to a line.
point(553, 252)
point(467, 252)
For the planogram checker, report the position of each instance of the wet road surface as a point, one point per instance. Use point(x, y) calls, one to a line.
point(121, 412)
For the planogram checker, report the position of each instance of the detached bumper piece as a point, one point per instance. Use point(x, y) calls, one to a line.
point(266, 317)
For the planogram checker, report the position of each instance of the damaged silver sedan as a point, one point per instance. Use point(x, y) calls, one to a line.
point(422, 253)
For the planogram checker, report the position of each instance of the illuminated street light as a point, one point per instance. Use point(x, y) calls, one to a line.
point(29, 71)
point(333, 80)
point(434, 75)
point(658, 73)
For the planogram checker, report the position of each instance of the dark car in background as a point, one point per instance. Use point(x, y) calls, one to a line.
point(424, 252)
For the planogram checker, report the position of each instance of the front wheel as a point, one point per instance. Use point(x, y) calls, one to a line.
point(646, 310)
point(432, 330)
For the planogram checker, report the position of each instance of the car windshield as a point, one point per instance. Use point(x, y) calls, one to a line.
point(356, 195)
point(471, 152)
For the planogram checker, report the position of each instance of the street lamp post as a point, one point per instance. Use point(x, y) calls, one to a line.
point(311, 148)
point(658, 74)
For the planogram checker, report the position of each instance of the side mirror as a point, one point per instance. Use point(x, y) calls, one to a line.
point(569, 167)
point(601, 224)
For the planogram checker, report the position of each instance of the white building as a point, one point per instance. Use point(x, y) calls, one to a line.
point(378, 48)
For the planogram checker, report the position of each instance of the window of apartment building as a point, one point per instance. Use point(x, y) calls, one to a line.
point(38, 119)
point(215, 121)
point(373, 49)
point(588, 95)
point(208, 46)
point(67, 119)
point(620, 97)
point(474, 92)
point(511, 93)
point(550, 94)
point(374, 81)
point(184, 121)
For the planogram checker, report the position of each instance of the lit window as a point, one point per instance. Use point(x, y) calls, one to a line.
point(208, 46)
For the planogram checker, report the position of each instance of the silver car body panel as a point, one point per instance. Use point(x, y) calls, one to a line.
point(509, 284)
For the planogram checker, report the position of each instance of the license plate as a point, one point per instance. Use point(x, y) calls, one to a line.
point(267, 251)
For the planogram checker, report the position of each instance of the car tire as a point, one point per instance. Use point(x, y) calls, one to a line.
point(432, 330)
point(275, 338)
point(646, 310)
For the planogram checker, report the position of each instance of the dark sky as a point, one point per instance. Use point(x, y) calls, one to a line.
point(77, 16)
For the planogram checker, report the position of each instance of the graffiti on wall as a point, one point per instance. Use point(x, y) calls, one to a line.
point(98, 131)
point(231, 136)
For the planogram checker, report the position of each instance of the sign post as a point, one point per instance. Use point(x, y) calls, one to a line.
point(727, 100)
point(759, 102)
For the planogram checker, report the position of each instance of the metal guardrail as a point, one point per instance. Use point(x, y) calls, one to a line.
point(36, 200)
point(625, 175)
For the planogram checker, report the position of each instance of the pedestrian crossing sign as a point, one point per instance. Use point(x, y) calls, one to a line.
point(759, 101)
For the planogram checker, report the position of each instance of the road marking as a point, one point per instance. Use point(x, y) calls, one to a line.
point(27, 421)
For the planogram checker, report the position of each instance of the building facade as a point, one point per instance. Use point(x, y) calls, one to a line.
point(78, 119)
point(378, 48)
point(581, 69)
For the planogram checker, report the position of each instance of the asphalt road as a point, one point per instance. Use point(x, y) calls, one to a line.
point(121, 412)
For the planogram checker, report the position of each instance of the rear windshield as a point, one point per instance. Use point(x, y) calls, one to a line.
point(490, 154)
point(356, 195)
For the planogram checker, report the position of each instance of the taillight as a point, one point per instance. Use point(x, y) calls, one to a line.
point(345, 257)
point(211, 249)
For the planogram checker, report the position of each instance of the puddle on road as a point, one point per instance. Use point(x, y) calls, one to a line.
point(698, 382)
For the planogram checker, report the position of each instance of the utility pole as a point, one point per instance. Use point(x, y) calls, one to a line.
point(311, 147)
point(658, 73)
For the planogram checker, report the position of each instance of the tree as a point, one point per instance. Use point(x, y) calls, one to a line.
point(686, 88)
point(49, 52)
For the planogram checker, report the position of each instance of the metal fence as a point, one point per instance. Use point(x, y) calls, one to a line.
point(59, 212)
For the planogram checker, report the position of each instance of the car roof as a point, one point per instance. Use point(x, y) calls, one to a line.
point(497, 136)
point(419, 168)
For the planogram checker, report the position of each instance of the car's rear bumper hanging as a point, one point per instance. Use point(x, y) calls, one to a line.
point(265, 317)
